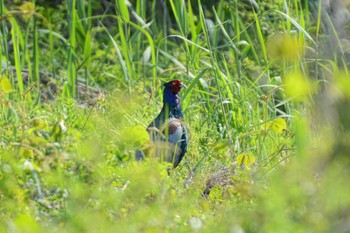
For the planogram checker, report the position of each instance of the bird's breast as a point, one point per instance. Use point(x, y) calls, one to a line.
point(175, 131)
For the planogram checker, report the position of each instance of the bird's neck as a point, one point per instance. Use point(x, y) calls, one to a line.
point(168, 112)
point(170, 98)
point(172, 111)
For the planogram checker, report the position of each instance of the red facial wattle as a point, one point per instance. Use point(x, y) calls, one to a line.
point(175, 89)
point(175, 86)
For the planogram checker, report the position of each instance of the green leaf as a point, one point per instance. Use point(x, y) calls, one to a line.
point(123, 10)
point(134, 137)
point(57, 130)
point(298, 86)
point(298, 26)
point(245, 159)
point(221, 147)
point(342, 84)
point(5, 85)
point(278, 125)
point(87, 49)
point(28, 9)
point(284, 47)
point(26, 223)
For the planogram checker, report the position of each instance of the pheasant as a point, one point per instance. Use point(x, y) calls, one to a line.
point(168, 133)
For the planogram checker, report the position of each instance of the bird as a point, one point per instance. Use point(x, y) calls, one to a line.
point(167, 131)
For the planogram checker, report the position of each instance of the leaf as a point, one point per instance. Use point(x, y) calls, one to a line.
point(57, 130)
point(123, 10)
point(87, 49)
point(146, 55)
point(278, 125)
point(5, 85)
point(134, 137)
point(26, 153)
point(342, 84)
point(245, 159)
point(197, 80)
point(221, 147)
point(284, 47)
point(300, 28)
point(26, 223)
point(40, 124)
point(28, 9)
point(298, 86)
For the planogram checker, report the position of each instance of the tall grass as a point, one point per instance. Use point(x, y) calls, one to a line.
point(71, 66)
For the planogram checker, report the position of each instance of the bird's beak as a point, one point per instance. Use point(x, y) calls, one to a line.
point(182, 85)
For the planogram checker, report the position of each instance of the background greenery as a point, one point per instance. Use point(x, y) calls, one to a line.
point(267, 107)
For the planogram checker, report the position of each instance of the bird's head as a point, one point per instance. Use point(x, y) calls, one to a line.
point(175, 85)
point(171, 90)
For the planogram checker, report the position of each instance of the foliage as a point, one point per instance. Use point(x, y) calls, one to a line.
point(80, 81)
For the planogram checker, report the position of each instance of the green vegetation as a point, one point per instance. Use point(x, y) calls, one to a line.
point(267, 112)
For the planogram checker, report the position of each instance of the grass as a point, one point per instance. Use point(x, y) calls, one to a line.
point(252, 109)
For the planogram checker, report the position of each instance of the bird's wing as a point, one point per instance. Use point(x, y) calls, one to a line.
point(170, 141)
point(182, 143)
